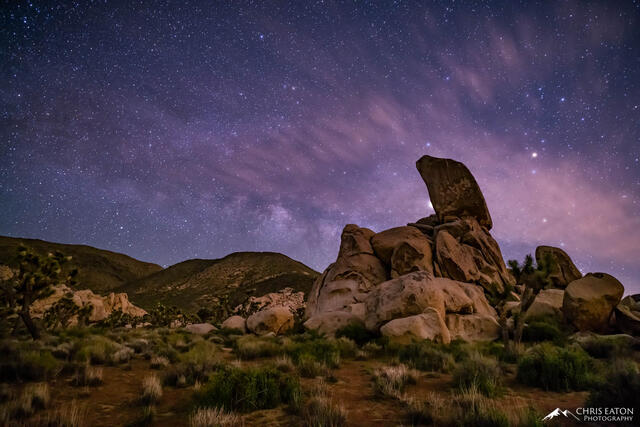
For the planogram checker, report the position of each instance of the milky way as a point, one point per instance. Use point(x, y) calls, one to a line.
point(174, 130)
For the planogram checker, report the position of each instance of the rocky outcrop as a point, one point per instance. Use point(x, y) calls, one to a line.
point(453, 190)
point(275, 319)
point(547, 304)
point(237, 323)
point(473, 327)
point(328, 323)
point(628, 315)
point(563, 270)
point(465, 251)
point(102, 307)
point(428, 325)
point(350, 278)
point(403, 250)
point(285, 297)
point(588, 302)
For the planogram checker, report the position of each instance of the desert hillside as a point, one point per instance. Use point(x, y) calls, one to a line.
point(198, 283)
point(99, 270)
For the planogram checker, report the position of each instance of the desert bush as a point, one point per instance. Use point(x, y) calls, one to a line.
point(194, 365)
point(426, 356)
point(390, 381)
point(284, 364)
point(556, 368)
point(372, 349)
point(479, 371)
point(347, 348)
point(159, 362)
point(250, 347)
point(71, 415)
point(25, 363)
point(151, 390)
point(542, 330)
point(321, 412)
point(97, 349)
point(308, 367)
point(236, 389)
point(214, 417)
point(606, 347)
point(324, 351)
point(356, 332)
point(620, 387)
point(87, 375)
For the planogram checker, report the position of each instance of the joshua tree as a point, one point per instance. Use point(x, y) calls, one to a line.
point(64, 311)
point(34, 280)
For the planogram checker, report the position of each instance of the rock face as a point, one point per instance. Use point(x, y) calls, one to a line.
point(564, 270)
point(403, 250)
point(328, 323)
point(465, 251)
point(102, 306)
point(473, 327)
point(275, 319)
point(350, 278)
point(548, 303)
point(235, 322)
point(588, 302)
point(425, 326)
point(285, 297)
point(628, 315)
point(453, 191)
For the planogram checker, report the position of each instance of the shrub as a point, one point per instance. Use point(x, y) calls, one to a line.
point(96, 350)
point(151, 390)
point(235, 389)
point(250, 347)
point(556, 368)
point(606, 347)
point(26, 364)
point(542, 330)
point(194, 365)
point(324, 351)
point(390, 381)
point(308, 367)
point(159, 362)
point(426, 356)
point(214, 417)
point(86, 375)
point(480, 372)
point(620, 387)
point(284, 364)
point(357, 333)
point(321, 412)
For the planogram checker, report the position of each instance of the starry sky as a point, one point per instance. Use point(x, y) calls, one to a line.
point(170, 130)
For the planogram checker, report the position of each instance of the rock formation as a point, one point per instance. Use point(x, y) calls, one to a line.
point(628, 315)
point(275, 320)
point(564, 270)
point(235, 322)
point(589, 302)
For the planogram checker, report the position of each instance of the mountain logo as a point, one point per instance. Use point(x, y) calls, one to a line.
point(557, 412)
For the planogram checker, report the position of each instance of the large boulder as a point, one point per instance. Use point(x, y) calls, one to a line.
point(403, 250)
point(428, 325)
point(588, 302)
point(275, 320)
point(237, 323)
point(328, 323)
point(472, 327)
point(628, 315)
point(413, 293)
point(466, 252)
point(453, 190)
point(348, 280)
point(564, 270)
point(548, 304)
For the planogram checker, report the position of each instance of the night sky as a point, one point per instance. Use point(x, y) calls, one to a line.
point(175, 130)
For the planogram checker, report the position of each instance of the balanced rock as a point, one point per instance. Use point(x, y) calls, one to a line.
point(328, 323)
point(563, 270)
point(466, 252)
point(453, 190)
point(588, 302)
point(237, 323)
point(276, 320)
point(628, 315)
point(348, 280)
point(428, 325)
point(403, 250)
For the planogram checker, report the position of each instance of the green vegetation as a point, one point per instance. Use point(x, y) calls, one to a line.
point(480, 372)
point(357, 333)
point(322, 412)
point(427, 356)
point(619, 388)
point(556, 368)
point(542, 330)
point(244, 390)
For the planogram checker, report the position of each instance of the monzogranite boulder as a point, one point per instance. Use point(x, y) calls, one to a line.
point(428, 325)
point(628, 315)
point(453, 190)
point(588, 302)
point(563, 270)
point(403, 250)
point(275, 319)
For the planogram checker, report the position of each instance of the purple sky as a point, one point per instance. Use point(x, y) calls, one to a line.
point(170, 131)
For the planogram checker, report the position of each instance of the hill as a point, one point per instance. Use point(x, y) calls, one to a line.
point(99, 270)
point(197, 283)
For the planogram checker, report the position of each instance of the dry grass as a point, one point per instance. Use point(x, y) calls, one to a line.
point(151, 390)
point(390, 381)
point(284, 364)
point(71, 415)
point(322, 412)
point(214, 417)
point(87, 375)
point(159, 362)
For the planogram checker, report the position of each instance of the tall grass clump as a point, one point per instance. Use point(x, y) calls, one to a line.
point(556, 368)
point(426, 356)
point(244, 390)
point(214, 417)
point(390, 381)
point(151, 390)
point(480, 372)
point(250, 347)
point(322, 412)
